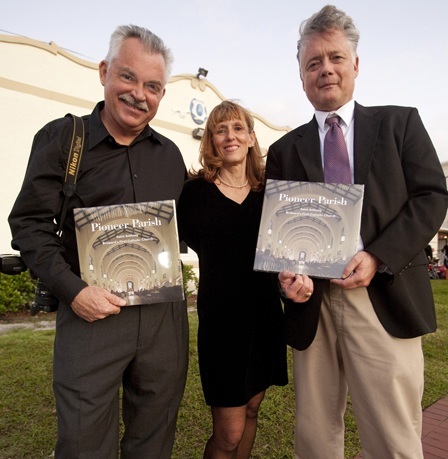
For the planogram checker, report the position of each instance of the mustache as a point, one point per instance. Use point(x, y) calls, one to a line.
point(134, 103)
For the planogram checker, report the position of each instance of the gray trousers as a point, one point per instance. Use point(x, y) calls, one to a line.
point(144, 350)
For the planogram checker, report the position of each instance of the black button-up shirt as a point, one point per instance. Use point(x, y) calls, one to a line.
point(150, 169)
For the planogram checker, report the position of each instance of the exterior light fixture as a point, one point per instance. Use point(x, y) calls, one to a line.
point(202, 72)
point(197, 133)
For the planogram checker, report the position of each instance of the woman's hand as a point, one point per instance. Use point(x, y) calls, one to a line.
point(295, 287)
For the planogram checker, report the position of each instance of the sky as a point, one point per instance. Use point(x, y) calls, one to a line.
point(249, 47)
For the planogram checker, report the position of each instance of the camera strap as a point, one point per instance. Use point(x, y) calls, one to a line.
point(73, 162)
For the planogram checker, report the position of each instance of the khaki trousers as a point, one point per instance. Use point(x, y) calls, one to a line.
point(383, 374)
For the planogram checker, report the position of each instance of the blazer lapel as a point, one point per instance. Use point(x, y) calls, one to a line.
point(307, 144)
point(367, 125)
point(308, 150)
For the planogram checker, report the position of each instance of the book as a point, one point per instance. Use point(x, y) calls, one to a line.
point(308, 227)
point(131, 250)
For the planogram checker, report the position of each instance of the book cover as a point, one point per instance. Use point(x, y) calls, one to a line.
point(308, 227)
point(131, 250)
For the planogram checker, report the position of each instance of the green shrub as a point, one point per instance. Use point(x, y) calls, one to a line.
point(16, 292)
point(189, 275)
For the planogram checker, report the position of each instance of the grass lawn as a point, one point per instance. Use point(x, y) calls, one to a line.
point(28, 419)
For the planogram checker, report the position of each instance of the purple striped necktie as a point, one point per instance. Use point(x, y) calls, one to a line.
point(336, 162)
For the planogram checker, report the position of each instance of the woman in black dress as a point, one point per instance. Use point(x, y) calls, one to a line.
point(240, 339)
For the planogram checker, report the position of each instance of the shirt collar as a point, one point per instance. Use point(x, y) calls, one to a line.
point(98, 132)
point(346, 113)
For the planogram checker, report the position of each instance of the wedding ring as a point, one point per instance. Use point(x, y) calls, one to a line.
point(308, 294)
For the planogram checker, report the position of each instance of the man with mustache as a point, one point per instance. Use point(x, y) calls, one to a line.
point(101, 346)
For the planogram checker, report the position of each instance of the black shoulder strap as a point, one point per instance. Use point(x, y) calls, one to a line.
point(73, 162)
point(74, 156)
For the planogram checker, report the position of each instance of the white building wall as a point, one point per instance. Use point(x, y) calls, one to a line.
point(40, 82)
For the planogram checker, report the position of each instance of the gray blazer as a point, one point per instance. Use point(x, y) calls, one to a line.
point(405, 202)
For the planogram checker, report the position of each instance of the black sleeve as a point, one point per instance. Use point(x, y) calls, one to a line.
point(189, 214)
point(35, 215)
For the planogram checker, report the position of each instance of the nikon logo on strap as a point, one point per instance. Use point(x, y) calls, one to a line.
point(77, 151)
point(74, 155)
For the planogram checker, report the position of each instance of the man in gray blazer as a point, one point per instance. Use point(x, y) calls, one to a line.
point(362, 332)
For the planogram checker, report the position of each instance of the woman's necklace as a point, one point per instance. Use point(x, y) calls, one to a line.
point(232, 186)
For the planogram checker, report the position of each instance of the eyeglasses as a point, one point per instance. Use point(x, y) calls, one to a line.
point(224, 131)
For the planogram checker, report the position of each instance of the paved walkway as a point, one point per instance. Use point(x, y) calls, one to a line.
point(29, 325)
point(435, 431)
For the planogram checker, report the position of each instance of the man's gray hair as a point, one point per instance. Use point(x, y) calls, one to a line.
point(151, 42)
point(327, 19)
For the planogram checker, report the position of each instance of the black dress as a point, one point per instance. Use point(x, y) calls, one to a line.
point(240, 339)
